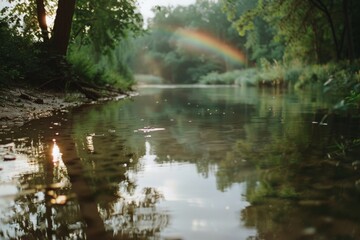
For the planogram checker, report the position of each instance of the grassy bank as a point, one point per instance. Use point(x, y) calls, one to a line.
point(26, 61)
point(340, 79)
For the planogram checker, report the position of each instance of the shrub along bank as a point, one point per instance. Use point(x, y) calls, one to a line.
point(339, 79)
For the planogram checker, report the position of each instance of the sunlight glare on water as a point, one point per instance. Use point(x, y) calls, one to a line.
point(56, 152)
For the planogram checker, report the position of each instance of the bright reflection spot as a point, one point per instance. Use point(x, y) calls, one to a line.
point(149, 154)
point(149, 129)
point(59, 200)
point(90, 143)
point(50, 19)
point(197, 224)
point(56, 153)
point(147, 149)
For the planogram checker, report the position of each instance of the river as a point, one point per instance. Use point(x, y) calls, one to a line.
point(183, 162)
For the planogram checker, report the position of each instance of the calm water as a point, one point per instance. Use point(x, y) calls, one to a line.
point(183, 163)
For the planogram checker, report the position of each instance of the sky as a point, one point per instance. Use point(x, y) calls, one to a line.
point(146, 5)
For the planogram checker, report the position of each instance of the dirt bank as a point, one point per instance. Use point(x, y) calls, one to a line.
point(19, 104)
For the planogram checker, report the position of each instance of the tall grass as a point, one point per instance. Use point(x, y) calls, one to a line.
point(342, 78)
point(99, 73)
point(243, 77)
point(271, 73)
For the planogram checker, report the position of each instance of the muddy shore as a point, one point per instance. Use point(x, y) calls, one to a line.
point(21, 104)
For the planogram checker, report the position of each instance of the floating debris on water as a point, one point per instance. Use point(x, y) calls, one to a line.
point(149, 129)
point(8, 151)
point(309, 231)
point(9, 157)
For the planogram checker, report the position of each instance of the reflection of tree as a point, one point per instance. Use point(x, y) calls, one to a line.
point(276, 149)
point(278, 136)
point(283, 219)
point(138, 219)
point(68, 198)
point(106, 174)
point(231, 131)
point(32, 214)
point(293, 178)
point(262, 138)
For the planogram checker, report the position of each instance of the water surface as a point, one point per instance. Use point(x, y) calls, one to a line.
point(181, 163)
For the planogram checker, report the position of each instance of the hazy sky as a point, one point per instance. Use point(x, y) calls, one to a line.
point(146, 5)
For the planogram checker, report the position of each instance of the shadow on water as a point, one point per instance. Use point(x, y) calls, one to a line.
point(185, 163)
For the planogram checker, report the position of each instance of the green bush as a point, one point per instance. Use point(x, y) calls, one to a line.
point(99, 74)
point(247, 77)
point(17, 55)
point(292, 74)
point(227, 78)
point(211, 78)
point(313, 74)
point(117, 80)
point(83, 67)
point(271, 73)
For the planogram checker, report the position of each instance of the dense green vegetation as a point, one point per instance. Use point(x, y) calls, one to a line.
point(284, 43)
point(281, 33)
point(184, 43)
point(82, 48)
point(255, 43)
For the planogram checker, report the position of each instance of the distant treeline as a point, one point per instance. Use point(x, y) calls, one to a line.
point(284, 32)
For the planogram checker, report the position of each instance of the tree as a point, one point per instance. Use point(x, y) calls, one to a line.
point(257, 32)
point(175, 48)
point(110, 20)
point(62, 26)
point(313, 30)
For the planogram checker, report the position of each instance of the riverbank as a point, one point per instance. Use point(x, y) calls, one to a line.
point(23, 104)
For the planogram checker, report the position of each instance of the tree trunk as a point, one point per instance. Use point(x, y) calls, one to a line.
point(62, 26)
point(322, 7)
point(316, 42)
point(348, 29)
point(41, 16)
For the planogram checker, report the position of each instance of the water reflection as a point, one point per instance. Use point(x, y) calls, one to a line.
point(32, 212)
point(90, 143)
point(135, 212)
point(220, 163)
point(56, 153)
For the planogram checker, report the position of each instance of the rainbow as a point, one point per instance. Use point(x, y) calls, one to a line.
point(203, 41)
